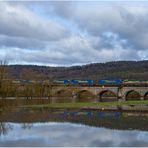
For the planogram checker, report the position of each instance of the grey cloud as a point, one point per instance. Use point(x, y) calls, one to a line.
point(19, 21)
point(72, 51)
point(62, 8)
point(110, 40)
point(19, 42)
point(128, 21)
point(129, 25)
point(75, 50)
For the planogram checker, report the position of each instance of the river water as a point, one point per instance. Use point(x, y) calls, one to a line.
point(48, 128)
point(69, 134)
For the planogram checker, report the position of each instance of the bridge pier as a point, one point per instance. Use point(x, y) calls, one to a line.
point(97, 99)
point(122, 99)
point(142, 98)
point(74, 98)
point(53, 100)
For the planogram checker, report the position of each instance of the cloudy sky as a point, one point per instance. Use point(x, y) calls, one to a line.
point(57, 33)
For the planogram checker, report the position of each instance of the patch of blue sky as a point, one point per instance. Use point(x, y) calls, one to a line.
point(38, 9)
point(68, 24)
point(51, 16)
point(114, 2)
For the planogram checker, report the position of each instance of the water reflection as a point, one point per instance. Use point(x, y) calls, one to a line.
point(69, 134)
point(27, 125)
point(4, 128)
point(52, 127)
point(92, 118)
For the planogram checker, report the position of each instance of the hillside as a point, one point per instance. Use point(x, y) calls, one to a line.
point(122, 69)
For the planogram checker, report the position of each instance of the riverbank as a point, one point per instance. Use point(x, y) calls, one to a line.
point(92, 104)
point(140, 107)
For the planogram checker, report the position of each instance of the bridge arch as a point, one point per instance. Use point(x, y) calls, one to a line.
point(132, 95)
point(63, 93)
point(107, 96)
point(85, 96)
point(62, 96)
point(146, 96)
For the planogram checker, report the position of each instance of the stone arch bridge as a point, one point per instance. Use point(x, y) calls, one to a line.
point(119, 93)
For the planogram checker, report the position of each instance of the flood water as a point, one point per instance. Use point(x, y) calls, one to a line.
point(55, 128)
point(69, 134)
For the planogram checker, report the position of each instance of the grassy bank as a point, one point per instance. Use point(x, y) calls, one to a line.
point(89, 104)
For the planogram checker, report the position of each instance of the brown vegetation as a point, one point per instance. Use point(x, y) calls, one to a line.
point(121, 69)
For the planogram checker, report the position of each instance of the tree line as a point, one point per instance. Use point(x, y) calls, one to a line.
point(132, 70)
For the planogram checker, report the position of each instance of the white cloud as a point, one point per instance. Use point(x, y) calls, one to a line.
point(72, 51)
point(128, 22)
point(16, 20)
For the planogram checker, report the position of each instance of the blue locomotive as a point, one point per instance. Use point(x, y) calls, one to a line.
point(82, 82)
point(110, 82)
point(61, 82)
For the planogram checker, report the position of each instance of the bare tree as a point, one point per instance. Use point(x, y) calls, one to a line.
point(3, 69)
point(29, 74)
point(3, 76)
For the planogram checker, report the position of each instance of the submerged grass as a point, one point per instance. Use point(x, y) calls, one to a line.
point(89, 104)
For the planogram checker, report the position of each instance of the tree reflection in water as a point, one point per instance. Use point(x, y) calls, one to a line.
point(5, 128)
point(29, 116)
point(27, 125)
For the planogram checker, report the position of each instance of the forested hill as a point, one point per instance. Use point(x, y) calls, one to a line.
point(121, 69)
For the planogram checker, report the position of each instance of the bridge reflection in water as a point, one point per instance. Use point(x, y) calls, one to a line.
point(46, 127)
point(113, 120)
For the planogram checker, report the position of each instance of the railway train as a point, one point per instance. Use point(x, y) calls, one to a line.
point(103, 82)
point(85, 82)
